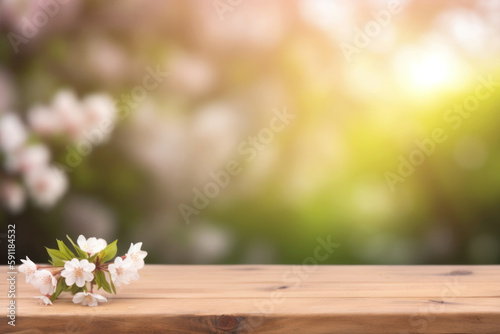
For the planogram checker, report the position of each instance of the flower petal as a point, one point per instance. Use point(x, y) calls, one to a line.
point(100, 298)
point(139, 264)
point(100, 245)
point(89, 267)
point(78, 298)
point(88, 276)
point(69, 265)
point(80, 282)
point(92, 302)
point(81, 241)
point(44, 300)
point(70, 280)
point(117, 280)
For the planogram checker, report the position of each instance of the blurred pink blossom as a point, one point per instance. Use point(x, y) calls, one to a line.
point(73, 118)
point(12, 132)
point(99, 109)
point(43, 121)
point(68, 109)
point(28, 159)
point(192, 75)
point(46, 186)
point(13, 196)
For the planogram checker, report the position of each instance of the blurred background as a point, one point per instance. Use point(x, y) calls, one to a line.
point(365, 85)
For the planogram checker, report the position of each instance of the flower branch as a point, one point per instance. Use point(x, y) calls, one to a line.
point(73, 271)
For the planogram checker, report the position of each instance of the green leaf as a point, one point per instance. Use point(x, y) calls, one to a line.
point(93, 257)
point(107, 288)
point(100, 279)
point(57, 257)
point(65, 250)
point(61, 286)
point(111, 283)
point(108, 253)
point(75, 289)
point(81, 253)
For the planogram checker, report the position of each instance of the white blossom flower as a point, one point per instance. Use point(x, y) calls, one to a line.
point(44, 300)
point(100, 114)
point(28, 268)
point(90, 299)
point(44, 121)
point(69, 111)
point(137, 255)
point(79, 272)
point(123, 271)
point(45, 281)
point(28, 159)
point(91, 245)
point(46, 185)
point(12, 132)
point(13, 196)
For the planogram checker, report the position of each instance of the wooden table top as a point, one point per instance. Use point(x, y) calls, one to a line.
point(276, 299)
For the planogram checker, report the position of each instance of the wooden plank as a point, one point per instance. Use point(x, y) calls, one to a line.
point(258, 299)
point(303, 290)
point(347, 274)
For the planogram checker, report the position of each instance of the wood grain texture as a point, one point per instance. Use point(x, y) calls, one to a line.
point(277, 299)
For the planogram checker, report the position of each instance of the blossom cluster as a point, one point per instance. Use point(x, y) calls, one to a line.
point(80, 272)
point(27, 160)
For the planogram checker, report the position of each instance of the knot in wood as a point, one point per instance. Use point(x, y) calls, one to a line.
point(227, 323)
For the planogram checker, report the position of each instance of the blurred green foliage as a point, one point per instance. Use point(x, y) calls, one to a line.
point(323, 175)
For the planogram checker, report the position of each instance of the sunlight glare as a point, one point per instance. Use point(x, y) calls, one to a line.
point(427, 69)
